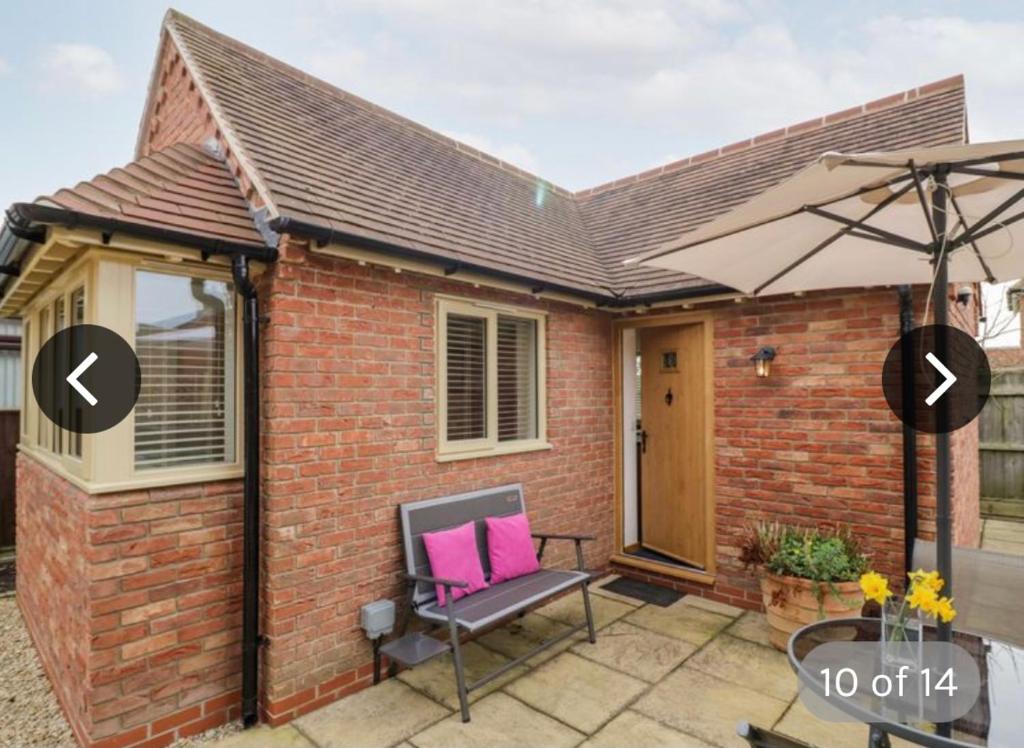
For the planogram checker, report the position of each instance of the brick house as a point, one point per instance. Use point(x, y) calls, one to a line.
point(431, 320)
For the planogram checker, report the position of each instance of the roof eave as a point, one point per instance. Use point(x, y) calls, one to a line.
point(26, 225)
point(609, 299)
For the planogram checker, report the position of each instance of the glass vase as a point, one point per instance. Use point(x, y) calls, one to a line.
point(901, 635)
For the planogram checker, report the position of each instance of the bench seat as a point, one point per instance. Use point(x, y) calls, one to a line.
point(499, 602)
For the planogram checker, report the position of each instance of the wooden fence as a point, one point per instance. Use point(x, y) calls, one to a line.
point(9, 422)
point(1001, 430)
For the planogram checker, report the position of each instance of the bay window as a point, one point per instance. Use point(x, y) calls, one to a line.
point(183, 323)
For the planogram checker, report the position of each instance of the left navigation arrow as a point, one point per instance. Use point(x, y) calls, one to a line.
point(72, 378)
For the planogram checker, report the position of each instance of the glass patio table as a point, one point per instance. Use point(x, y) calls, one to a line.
point(995, 721)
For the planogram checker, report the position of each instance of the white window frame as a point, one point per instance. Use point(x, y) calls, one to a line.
point(489, 446)
point(107, 462)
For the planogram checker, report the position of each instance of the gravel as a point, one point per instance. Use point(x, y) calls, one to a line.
point(29, 712)
point(209, 737)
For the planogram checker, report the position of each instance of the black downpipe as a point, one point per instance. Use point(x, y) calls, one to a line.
point(251, 498)
point(908, 384)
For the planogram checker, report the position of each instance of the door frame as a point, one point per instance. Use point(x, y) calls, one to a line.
point(706, 320)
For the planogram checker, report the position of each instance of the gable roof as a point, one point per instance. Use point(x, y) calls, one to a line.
point(336, 166)
point(331, 166)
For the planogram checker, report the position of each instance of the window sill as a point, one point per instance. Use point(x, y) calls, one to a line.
point(498, 451)
point(164, 478)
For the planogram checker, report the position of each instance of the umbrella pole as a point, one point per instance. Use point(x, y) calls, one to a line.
point(940, 298)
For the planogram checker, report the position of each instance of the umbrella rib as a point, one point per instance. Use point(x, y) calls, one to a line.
point(924, 203)
point(977, 252)
point(972, 234)
point(836, 236)
point(887, 236)
point(802, 209)
point(1014, 175)
point(991, 229)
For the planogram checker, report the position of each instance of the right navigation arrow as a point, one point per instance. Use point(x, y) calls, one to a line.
point(950, 379)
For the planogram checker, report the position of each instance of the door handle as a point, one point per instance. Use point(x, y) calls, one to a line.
point(643, 441)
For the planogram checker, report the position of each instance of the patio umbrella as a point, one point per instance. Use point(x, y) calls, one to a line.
point(929, 215)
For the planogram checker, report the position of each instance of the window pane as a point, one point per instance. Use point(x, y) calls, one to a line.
point(42, 422)
point(517, 378)
point(77, 318)
point(467, 377)
point(184, 338)
point(58, 388)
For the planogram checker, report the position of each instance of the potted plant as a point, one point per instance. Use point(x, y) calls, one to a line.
point(806, 575)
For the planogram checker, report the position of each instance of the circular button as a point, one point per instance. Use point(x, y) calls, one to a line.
point(86, 378)
point(957, 376)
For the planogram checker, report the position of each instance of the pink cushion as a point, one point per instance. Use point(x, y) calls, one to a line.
point(453, 555)
point(510, 548)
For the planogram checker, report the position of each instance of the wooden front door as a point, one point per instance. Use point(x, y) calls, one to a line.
point(672, 462)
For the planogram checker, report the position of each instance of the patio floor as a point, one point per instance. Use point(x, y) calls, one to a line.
point(1005, 536)
point(680, 676)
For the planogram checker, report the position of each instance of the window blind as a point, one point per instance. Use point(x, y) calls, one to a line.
point(184, 339)
point(517, 378)
point(466, 368)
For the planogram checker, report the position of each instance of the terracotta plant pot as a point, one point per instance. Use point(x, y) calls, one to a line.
point(791, 603)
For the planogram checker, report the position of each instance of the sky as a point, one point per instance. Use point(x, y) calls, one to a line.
point(579, 91)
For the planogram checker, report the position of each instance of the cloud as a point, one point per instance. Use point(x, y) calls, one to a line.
point(512, 153)
point(638, 78)
point(81, 68)
point(5, 67)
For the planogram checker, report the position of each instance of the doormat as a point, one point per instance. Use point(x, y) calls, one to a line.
point(6, 578)
point(648, 593)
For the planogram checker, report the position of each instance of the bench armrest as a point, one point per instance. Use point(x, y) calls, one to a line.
point(413, 578)
point(559, 536)
point(544, 537)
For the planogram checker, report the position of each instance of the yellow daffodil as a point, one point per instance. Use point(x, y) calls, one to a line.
point(944, 609)
point(924, 597)
point(875, 587)
point(929, 578)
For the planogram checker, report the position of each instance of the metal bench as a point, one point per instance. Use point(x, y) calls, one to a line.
point(480, 610)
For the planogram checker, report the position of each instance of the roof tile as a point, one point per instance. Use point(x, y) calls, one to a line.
point(335, 160)
point(182, 187)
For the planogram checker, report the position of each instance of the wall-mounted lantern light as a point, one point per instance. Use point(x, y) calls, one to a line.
point(763, 360)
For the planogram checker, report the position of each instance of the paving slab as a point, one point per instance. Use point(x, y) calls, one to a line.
point(569, 609)
point(753, 627)
point(576, 691)
point(436, 678)
point(636, 651)
point(744, 663)
point(498, 721)
point(523, 634)
point(637, 731)
point(712, 606)
point(1004, 530)
point(707, 707)
point(801, 723)
point(376, 717)
point(285, 736)
point(681, 621)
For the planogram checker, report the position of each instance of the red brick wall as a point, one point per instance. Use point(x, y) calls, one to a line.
point(133, 603)
point(815, 442)
point(349, 434)
point(52, 587)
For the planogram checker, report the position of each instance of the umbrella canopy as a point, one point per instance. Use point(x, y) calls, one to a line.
point(865, 219)
point(929, 215)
